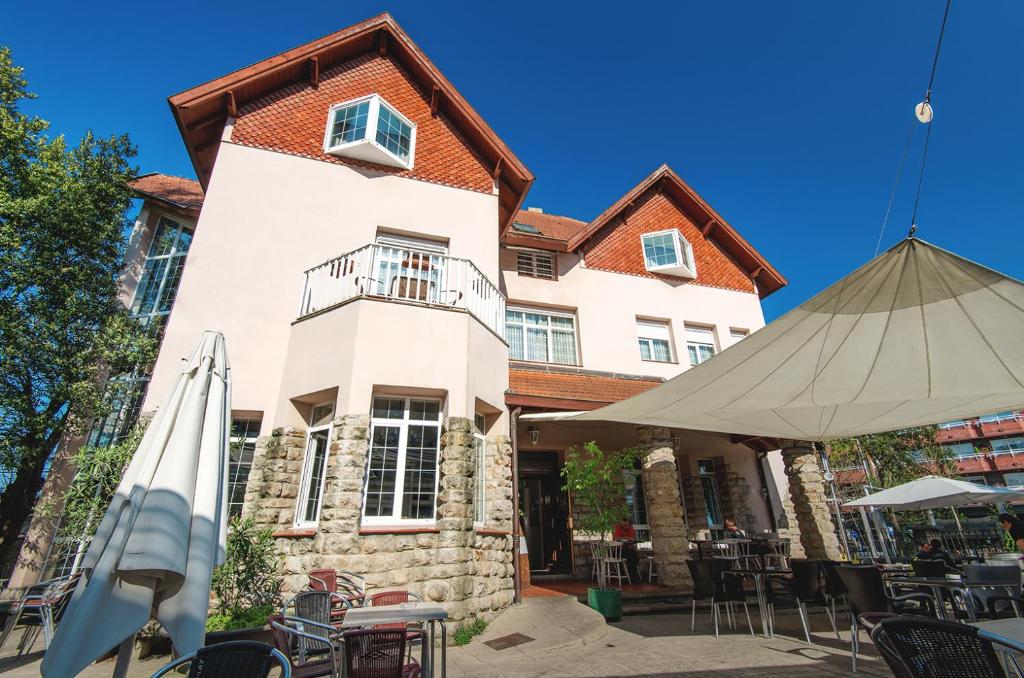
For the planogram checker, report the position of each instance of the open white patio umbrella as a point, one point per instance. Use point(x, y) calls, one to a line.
point(916, 336)
point(932, 492)
point(164, 532)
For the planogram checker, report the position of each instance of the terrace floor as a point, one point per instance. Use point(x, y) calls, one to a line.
point(568, 639)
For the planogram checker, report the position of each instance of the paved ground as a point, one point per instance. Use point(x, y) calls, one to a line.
point(569, 639)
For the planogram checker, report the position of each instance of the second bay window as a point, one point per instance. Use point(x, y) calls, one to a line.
point(402, 472)
point(541, 336)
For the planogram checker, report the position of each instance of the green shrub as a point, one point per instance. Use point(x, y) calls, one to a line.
point(240, 619)
point(466, 632)
point(247, 585)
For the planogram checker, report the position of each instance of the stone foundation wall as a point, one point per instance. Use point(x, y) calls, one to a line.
point(735, 496)
point(693, 505)
point(468, 569)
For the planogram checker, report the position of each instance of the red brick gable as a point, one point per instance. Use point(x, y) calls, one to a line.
point(616, 246)
point(293, 120)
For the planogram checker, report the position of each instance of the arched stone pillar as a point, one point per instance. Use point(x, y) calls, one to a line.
point(664, 506)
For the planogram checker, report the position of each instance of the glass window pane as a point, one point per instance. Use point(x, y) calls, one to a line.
point(383, 467)
point(660, 250)
point(537, 344)
point(388, 408)
point(645, 349)
point(420, 468)
point(350, 124)
point(563, 348)
point(316, 458)
point(514, 334)
point(661, 350)
point(479, 478)
point(393, 134)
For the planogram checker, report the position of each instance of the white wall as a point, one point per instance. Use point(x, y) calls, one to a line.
point(267, 218)
point(607, 305)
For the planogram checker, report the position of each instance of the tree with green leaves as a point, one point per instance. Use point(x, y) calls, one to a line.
point(596, 480)
point(62, 328)
point(895, 457)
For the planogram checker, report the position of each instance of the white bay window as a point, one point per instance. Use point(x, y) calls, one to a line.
point(668, 252)
point(541, 336)
point(401, 478)
point(370, 129)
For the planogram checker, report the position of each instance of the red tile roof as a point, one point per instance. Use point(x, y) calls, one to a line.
point(577, 390)
point(185, 194)
point(202, 111)
point(550, 225)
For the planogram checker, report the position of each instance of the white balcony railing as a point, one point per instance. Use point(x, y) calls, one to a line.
point(407, 275)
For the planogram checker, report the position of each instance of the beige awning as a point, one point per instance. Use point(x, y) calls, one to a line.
point(916, 336)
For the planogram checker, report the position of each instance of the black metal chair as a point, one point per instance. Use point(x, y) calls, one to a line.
point(378, 653)
point(235, 659)
point(806, 589)
point(870, 603)
point(713, 581)
point(931, 648)
point(928, 568)
point(834, 588)
point(992, 602)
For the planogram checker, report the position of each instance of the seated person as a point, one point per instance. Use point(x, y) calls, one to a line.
point(925, 552)
point(732, 530)
point(625, 533)
point(939, 553)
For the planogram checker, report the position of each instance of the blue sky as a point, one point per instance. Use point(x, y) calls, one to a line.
point(788, 117)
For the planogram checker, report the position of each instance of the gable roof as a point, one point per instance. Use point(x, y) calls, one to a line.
point(202, 111)
point(175, 192)
point(714, 227)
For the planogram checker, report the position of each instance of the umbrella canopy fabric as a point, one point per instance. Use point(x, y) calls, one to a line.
point(932, 492)
point(917, 335)
point(165, 530)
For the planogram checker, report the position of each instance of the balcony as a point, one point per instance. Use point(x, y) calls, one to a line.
point(409, 276)
point(1004, 423)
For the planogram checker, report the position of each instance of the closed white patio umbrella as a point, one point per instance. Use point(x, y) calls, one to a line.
point(165, 530)
point(916, 336)
point(932, 492)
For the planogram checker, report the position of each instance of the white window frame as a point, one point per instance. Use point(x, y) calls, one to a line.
point(550, 332)
point(645, 331)
point(531, 269)
point(241, 441)
point(307, 473)
point(372, 119)
point(480, 473)
point(687, 328)
point(172, 258)
point(684, 266)
point(403, 435)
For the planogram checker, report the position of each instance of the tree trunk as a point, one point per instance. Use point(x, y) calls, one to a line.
point(16, 504)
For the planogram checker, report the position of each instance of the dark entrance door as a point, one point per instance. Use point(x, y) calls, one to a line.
point(545, 511)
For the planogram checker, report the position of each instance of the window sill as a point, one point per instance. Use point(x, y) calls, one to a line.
point(398, 529)
point(541, 362)
point(661, 362)
point(484, 532)
point(295, 533)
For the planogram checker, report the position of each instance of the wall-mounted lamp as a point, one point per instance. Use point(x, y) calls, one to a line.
point(675, 442)
point(534, 434)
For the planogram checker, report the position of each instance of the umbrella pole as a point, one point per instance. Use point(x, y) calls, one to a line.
point(124, 657)
point(867, 533)
point(959, 528)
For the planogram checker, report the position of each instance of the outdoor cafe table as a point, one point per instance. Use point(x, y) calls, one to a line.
point(407, 612)
point(937, 584)
point(1007, 634)
point(762, 599)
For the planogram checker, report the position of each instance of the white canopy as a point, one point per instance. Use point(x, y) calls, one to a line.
point(165, 530)
point(932, 492)
point(916, 336)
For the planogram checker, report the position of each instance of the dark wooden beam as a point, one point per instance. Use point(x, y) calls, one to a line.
point(229, 101)
point(435, 99)
point(706, 228)
point(205, 121)
point(314, 72)
point(756, 272)
point(382, 45)
point(497, 169)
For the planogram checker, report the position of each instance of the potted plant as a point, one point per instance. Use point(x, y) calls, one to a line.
point(596, 480)
point(246, 587)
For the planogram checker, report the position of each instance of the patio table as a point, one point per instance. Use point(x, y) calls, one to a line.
point(762, 599)
point(430, 613)
point(1008, 636)
point(937, 584)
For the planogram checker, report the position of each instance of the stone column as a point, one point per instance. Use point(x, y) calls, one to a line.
point(807, 490)
point(453, 568)
point(664, 506)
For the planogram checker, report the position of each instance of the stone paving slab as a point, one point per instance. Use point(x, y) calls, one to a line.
point(571, 640)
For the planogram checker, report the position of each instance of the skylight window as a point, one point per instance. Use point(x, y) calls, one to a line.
point(524, 228)
point(668, 252)
point(370, 129)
